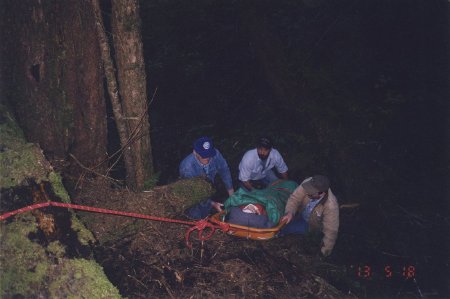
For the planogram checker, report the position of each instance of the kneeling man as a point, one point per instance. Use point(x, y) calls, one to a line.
point(312, 206)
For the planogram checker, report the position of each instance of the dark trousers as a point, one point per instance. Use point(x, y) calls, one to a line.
point(298, 225)
point(200, 210)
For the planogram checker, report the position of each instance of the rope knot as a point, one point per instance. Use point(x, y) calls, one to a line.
point(201, 226)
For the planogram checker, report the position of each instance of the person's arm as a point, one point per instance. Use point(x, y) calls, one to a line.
point(280, 165)
point(330, 226)
point(224, 172)
point(293, 203)
point(287, 217)
point(245, 171)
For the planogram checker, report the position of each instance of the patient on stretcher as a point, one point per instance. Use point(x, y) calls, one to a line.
point(259, 208)
point(252, 215)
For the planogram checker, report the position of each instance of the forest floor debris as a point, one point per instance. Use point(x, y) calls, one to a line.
point(150, 259)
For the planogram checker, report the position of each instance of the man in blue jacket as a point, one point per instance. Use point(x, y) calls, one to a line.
point(206, 161)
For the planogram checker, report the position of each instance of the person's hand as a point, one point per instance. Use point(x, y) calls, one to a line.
point(217, 206)
point(248, 185)
point(287, 217)
point(325, 252)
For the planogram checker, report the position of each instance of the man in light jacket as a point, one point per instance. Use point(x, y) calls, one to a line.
point(256, 167)
point(312, 206)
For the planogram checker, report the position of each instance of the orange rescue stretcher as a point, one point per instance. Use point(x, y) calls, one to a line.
point(247, 231)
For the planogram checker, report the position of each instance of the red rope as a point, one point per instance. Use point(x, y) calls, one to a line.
point(200, 225)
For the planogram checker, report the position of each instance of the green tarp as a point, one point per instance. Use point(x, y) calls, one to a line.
point(274, 198)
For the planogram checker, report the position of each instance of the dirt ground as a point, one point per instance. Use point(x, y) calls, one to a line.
point(150, 258)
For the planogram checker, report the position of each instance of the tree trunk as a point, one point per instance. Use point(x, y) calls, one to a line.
point(50, 64)
point(113, 92)
point(127, 91)
point(129, 56)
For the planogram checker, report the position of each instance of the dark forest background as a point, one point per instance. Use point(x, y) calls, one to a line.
point(362, 98)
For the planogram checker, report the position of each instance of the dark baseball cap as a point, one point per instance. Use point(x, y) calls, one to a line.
point(316, 184)
point(204, 147)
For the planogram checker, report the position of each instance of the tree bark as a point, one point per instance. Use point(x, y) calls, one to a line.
point(113, 92)
point(50, 65)
point(127, 91)
point(129, 57)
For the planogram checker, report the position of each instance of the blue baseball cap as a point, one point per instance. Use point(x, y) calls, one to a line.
point(204, 147)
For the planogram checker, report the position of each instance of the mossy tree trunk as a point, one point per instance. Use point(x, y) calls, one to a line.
point(50, 66)
point(126, 30)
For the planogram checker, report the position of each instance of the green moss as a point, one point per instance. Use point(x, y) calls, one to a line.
point(80, 278)
point(11, 136)
point(18, 160)
point(58, 187)
point(22, 163)
point(84, 235)
point(192, 190)
point(23, 263)
point(27, 268)
point(56, 249)
point(151, 182)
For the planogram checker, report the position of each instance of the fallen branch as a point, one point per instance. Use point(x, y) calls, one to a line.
point(410, 214)
point(92, 170)
point(349, 206)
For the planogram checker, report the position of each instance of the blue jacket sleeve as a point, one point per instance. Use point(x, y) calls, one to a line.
point(224, 171)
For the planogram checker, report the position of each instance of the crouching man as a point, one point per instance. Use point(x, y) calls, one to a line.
point(312, 206)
